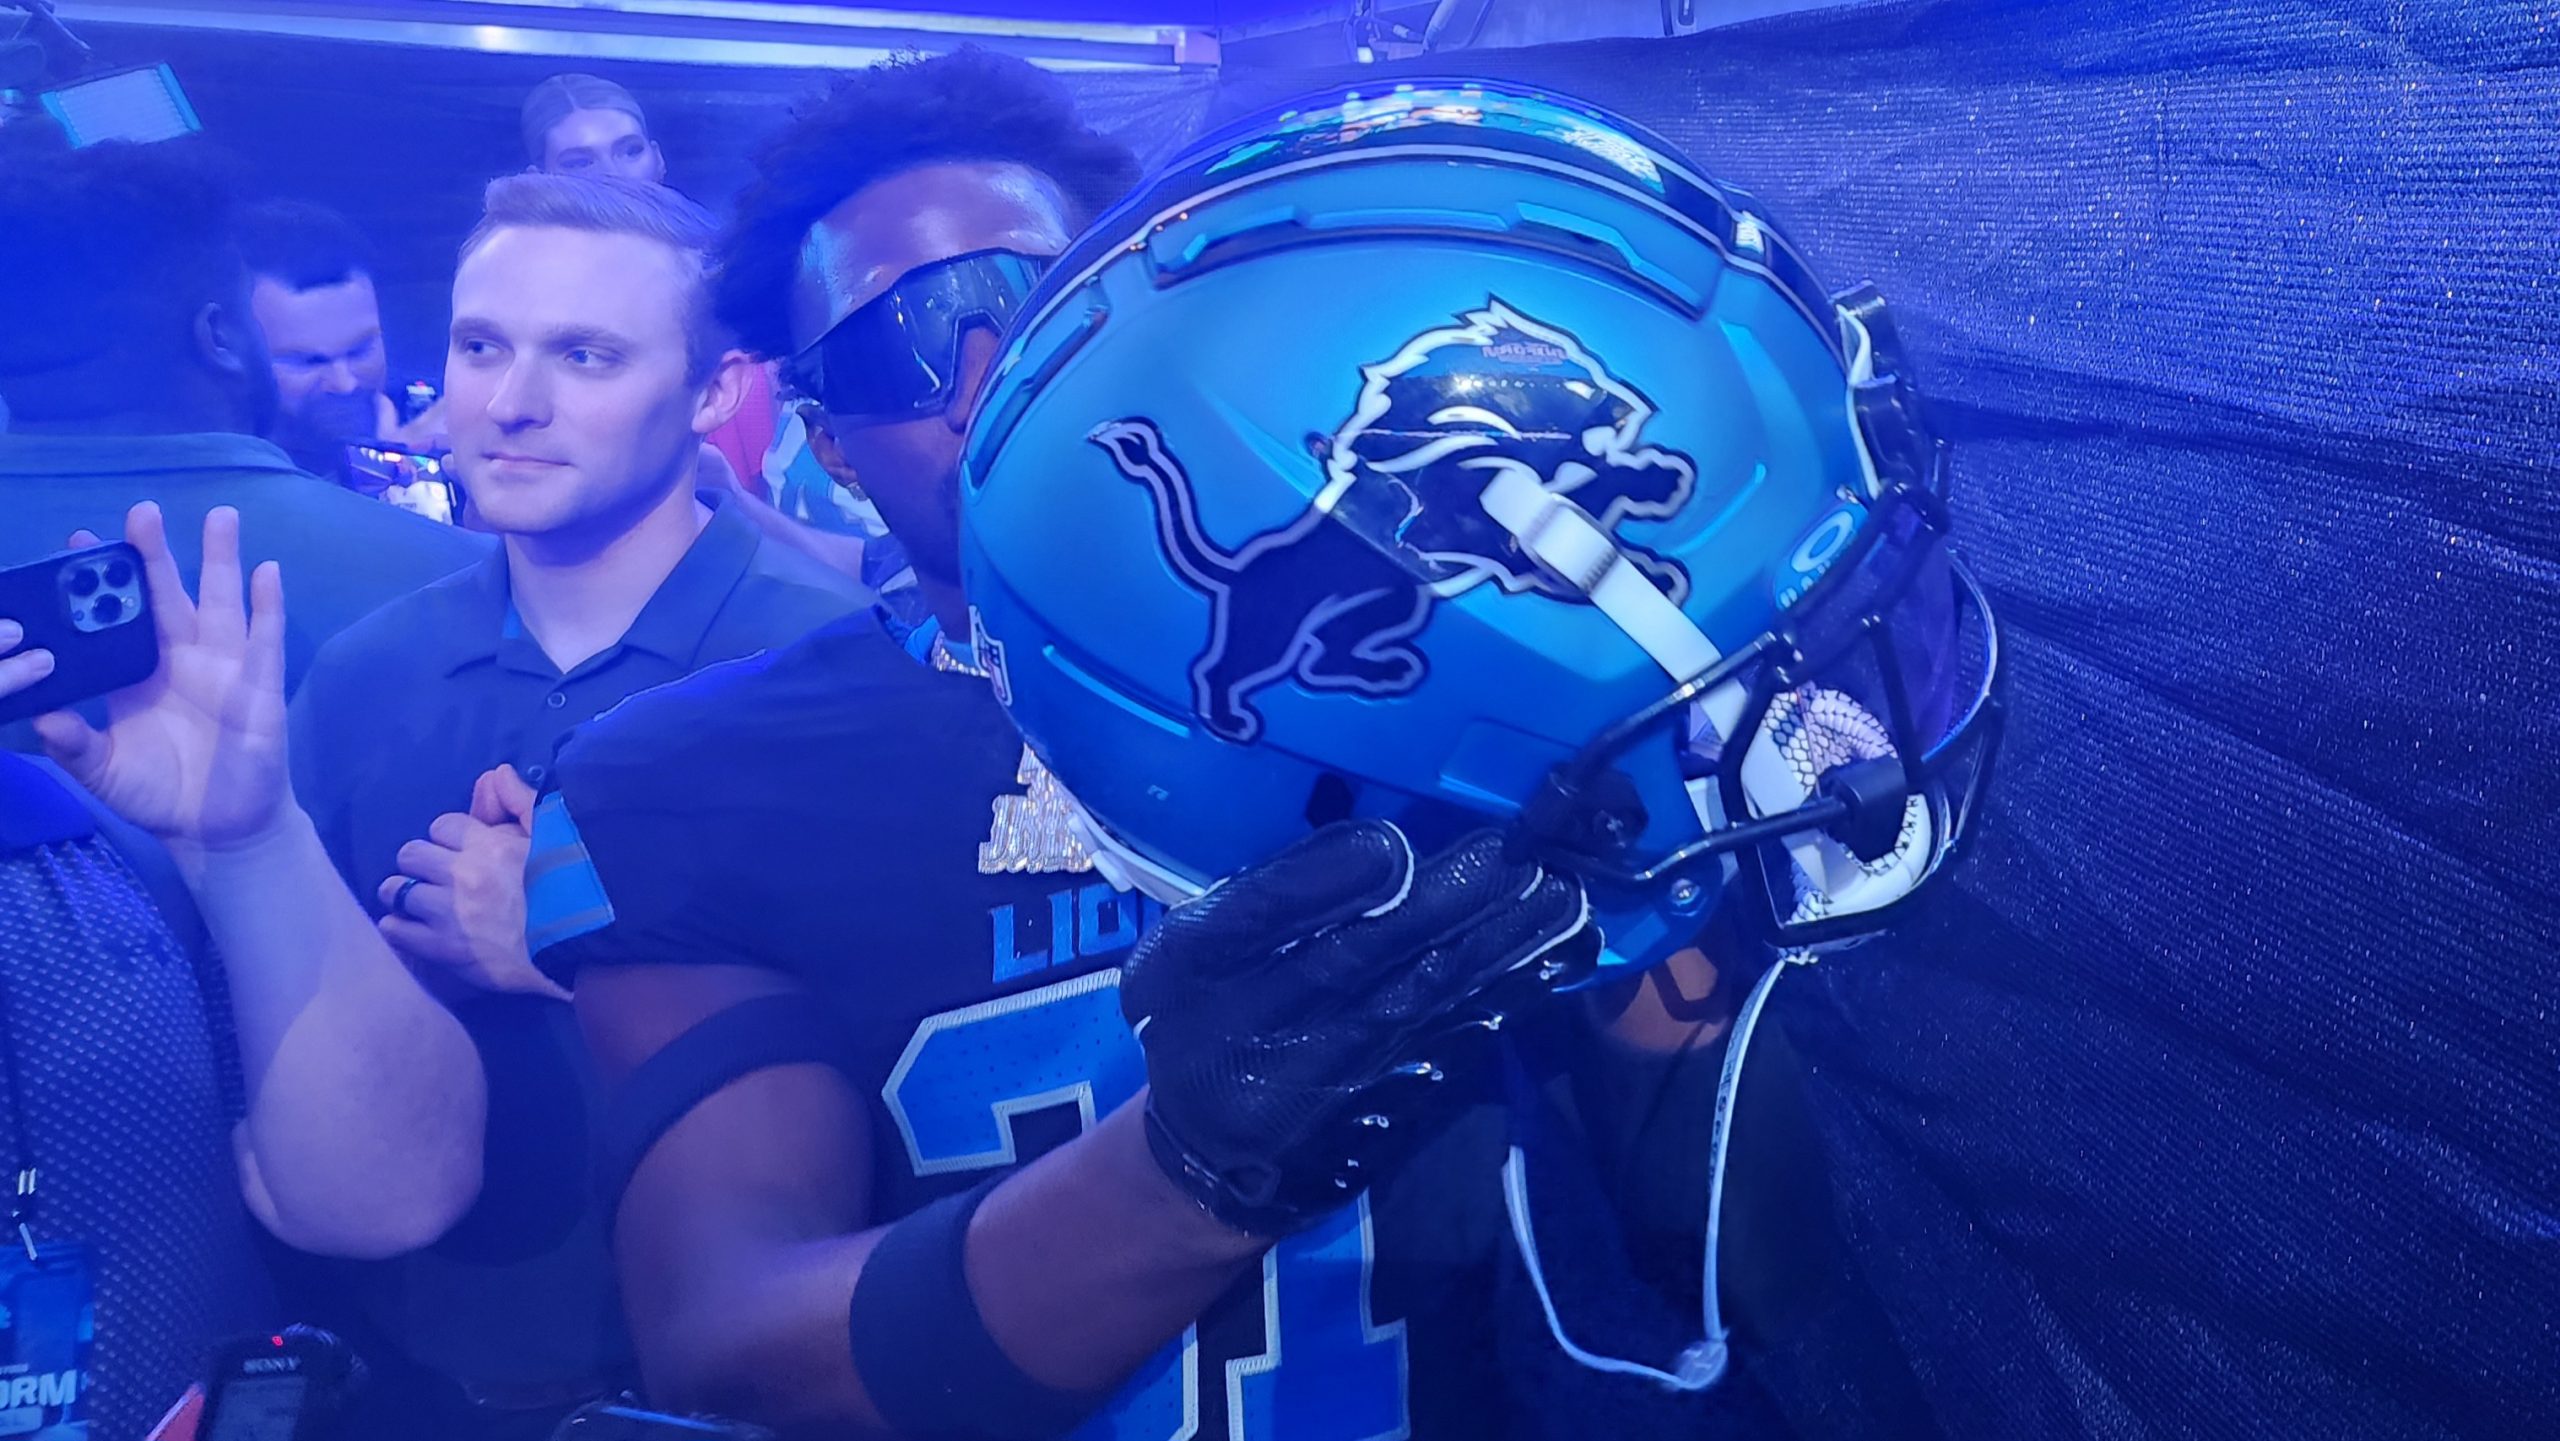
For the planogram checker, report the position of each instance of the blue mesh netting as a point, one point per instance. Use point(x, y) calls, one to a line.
point(2220, 1099)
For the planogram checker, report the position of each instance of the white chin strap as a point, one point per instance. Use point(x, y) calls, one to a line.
point(1805, 733)
point(1563, 537)
point(1786, 759)
point(1701, 1363)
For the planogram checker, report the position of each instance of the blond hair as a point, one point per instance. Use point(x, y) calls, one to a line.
point(607, 205)
point(561, 96)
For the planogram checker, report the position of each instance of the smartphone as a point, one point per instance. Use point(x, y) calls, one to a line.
point(90, 608)
point(412, 480)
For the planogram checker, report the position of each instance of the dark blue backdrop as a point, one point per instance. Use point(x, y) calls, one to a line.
point(2222, 1100)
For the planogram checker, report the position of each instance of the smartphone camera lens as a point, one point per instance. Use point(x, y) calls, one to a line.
point(84, 582)
point(119, 573)
point(108, 610)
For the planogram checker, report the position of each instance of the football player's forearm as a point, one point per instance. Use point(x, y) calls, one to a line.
point(1090, 1260)
point(1082, 1266)
point(366, 1099)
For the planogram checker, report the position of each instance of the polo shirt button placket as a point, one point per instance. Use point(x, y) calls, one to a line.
point(557, 700)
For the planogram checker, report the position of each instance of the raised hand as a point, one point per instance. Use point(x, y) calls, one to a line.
point(195, 754)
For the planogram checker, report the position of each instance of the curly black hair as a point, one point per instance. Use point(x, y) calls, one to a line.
point(107, 250)
point(968, 105)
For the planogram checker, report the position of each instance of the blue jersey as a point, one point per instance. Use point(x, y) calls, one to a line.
point(873, 828)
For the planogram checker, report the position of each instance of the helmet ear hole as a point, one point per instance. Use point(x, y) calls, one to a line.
point(1328, 800)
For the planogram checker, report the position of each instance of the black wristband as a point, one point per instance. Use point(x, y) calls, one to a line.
point(923, 1351)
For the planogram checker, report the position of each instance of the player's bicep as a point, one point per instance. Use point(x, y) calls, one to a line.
point(732, 1232)
point(720, 1093)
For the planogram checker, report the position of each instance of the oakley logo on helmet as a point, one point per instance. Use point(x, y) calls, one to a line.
point(1811, 560)
point(1335, 597)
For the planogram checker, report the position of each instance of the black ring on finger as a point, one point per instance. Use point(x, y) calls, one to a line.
point(400, 898)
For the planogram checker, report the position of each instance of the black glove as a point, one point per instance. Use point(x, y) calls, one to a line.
point(1294, 1016)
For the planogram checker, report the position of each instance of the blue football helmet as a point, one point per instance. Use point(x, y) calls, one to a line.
point(1457, 455)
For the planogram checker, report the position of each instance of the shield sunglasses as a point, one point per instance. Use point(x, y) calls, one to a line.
point(898, 357)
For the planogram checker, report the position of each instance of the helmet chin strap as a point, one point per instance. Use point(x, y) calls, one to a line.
point(1809, 731)
point(1702, 1362)
point(1564, 538)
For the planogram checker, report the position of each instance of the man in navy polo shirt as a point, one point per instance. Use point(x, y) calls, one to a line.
point(583, 371)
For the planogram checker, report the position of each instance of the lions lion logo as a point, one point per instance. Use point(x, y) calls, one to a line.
point(1335, 597)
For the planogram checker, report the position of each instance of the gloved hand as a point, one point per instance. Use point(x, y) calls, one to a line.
point(1294, 1017)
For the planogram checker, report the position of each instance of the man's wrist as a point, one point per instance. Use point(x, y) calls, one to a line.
point(281, 838)
point(1160, 1201)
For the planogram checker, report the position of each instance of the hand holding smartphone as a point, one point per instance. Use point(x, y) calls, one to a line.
point(88, 613)
point(194, 746)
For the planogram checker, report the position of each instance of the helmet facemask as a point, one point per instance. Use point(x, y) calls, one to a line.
point(1872, 706)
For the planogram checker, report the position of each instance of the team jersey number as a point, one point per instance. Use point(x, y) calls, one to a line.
point(1326, 1372)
